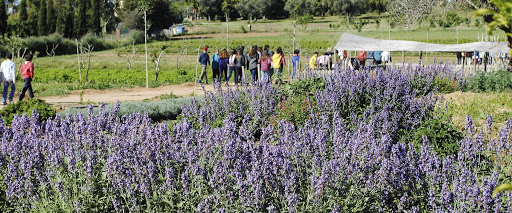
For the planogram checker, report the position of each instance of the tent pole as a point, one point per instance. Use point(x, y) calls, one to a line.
point(421, 58)
point(485, 61)
point(474, 55)
point(463, 61)
point(403, 58)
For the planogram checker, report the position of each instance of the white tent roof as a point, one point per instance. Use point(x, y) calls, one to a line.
point(353, 42)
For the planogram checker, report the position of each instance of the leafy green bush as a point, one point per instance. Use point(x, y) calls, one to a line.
point(304, 87)
point(440, 132)
point(44, 110)
point(445, 85)
point(40, 43)
point(489, 82)
point(296, 110)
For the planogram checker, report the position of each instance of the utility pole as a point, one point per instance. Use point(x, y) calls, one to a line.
point(146, 44)
point(227, 30)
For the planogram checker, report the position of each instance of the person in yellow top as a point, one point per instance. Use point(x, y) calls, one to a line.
point(313, 61)
point(278, 62)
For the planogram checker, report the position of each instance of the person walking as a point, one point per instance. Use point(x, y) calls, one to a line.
point(204, 60)
point(231, 65)
point(253, 64)
point(223, 64)
point(278, 62)
point(265, 64)
point(27, 72)
point(313, 61)
point(8, 70)
point(295, 62)
point(361, 57)
point(215, 66)
point(240, 61)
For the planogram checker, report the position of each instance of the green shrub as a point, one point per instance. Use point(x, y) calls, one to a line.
point(304, 87)
point(440, 132)
point(44, 110)
point(489, 82)
point(445, 85)
point(296, 110)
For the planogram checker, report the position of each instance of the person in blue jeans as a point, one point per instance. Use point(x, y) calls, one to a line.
point(231, 65)
point(253, 64)
point(8, 73)
point(295, 62)
point(204, 60)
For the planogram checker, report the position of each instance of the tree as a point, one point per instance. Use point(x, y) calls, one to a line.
point(41, 19)
point(498, 14)
point(210, 8)
point(298, 8)
point(95, 14)
point(81, 18)
point(50, 16)
point(409, 12)
point(3, 18)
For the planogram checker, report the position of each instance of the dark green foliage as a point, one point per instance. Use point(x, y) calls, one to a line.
point(50, 16)
point(304, 87)
point(489, 82)
point(41, 19)
point(44, 110)
point(94, 18)
point(3, 18)
point(66, 46)
point(445, 85)
point(440, 133)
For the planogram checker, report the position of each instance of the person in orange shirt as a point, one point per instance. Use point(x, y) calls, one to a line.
point(27, 72)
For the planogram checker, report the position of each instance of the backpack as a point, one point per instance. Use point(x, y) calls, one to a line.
point(241, 62)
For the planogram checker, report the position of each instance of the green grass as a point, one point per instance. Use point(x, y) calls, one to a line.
point(479, 105)
point(109, 69)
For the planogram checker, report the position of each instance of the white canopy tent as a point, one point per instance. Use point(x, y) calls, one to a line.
point(350, 41)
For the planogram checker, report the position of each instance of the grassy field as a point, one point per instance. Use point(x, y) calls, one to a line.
point(478, 106)
point(178, 64)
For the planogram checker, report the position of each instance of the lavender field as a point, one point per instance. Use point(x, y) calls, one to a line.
point(357, 143)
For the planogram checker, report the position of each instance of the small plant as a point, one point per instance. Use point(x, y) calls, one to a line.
point(44, 110)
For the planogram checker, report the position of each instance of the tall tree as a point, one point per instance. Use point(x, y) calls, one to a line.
point(69, 24)
point(80, 18)
point(41, 19)
point(50, 16)
point(3, 17)
point(62, 15)
point(210, 8)
point(410, 11)
point(94, 20)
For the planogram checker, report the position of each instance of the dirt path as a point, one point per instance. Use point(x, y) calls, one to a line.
point(124, 95)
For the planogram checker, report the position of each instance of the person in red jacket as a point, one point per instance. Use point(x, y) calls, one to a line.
point(27, 72)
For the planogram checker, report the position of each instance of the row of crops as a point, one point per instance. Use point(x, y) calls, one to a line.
point(351, 141)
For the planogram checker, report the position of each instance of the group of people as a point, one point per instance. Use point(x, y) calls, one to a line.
point(8, 73)
point(470, 58)
point(225, 65)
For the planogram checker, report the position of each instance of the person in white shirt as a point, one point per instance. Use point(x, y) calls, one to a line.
point(8, 70)
point(385, 56)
